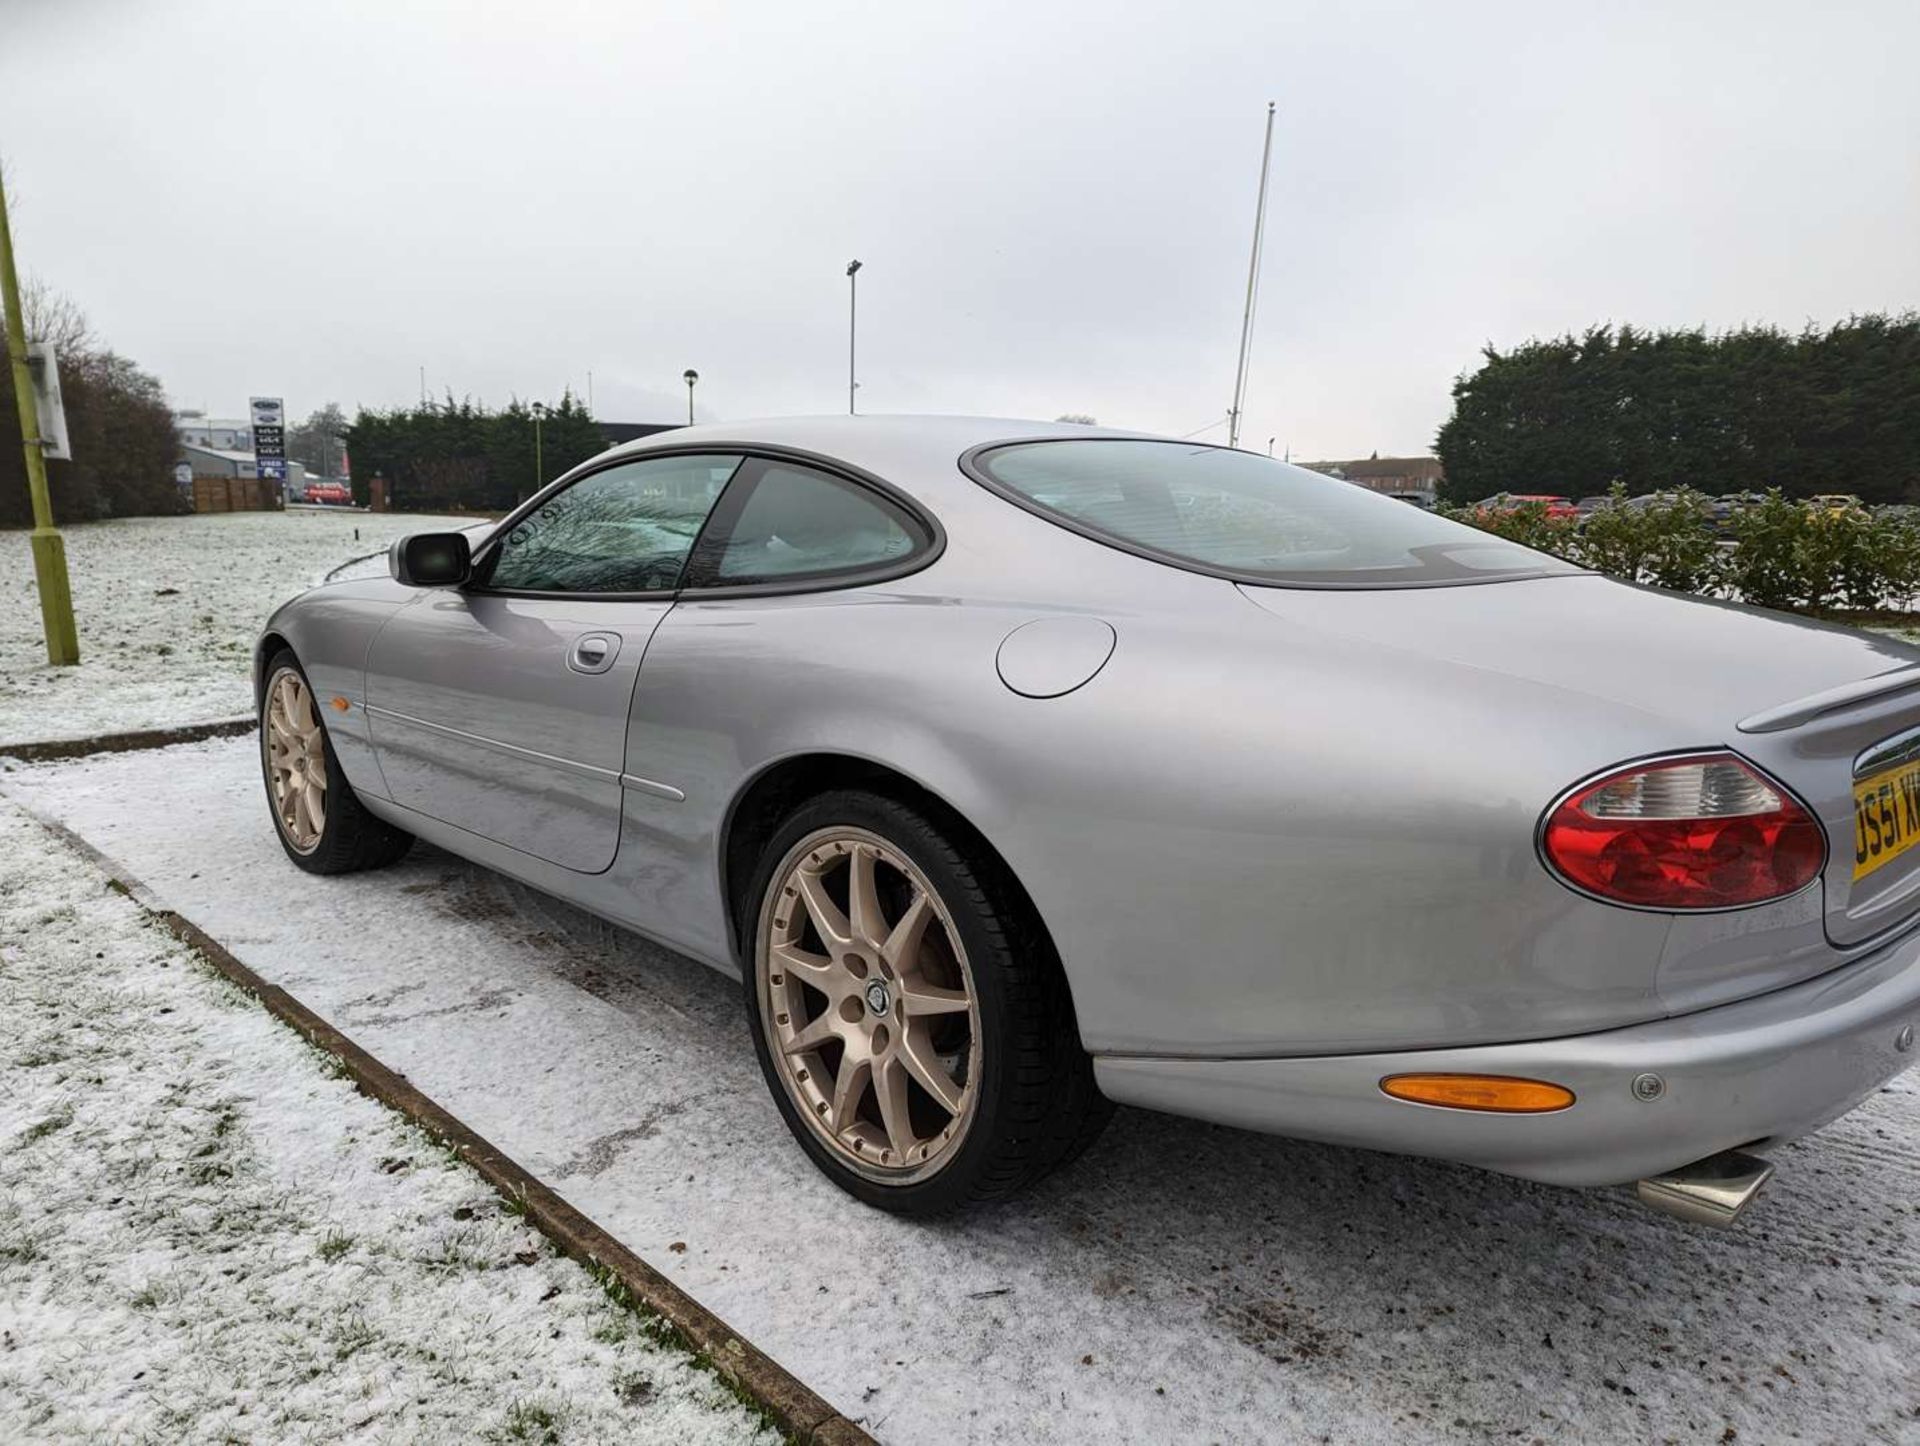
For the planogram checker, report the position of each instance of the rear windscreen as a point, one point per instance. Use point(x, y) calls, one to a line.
point(1240, 515)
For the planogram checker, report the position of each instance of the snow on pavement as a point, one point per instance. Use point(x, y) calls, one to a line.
point(207, 1235)
point(168, 610)
point(1181, 1282)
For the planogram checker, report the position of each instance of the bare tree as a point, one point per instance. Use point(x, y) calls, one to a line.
point(316, 443)
point(53, 316)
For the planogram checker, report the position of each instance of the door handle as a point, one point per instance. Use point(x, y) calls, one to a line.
point(593, 652)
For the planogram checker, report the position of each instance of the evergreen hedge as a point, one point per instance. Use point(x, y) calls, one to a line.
point(1834, 410)
point(459, 456)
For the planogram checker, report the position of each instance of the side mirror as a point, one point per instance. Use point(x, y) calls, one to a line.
point(430, 559)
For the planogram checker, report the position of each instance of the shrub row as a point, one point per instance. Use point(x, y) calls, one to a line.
point(1781, 553)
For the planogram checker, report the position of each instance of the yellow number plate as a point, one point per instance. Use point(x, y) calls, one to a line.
point(1886, 817)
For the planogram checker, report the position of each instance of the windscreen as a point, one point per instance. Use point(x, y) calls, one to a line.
point(1240, 515)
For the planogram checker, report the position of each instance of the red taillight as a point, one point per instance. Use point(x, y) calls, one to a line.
point(1706, 832)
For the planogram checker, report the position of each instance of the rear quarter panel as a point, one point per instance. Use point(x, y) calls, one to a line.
point(1242, 841)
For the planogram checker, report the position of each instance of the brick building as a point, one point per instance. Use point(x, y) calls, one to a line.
point(1415, 478)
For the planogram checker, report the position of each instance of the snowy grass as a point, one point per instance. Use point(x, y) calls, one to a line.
point(207, 1234)
point(168, 609)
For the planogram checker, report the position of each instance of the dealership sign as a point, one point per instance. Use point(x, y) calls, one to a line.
point(270, 438)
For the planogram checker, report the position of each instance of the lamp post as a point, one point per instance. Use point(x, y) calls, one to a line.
point(853, 286)
point(539, 468)
point(689, 376)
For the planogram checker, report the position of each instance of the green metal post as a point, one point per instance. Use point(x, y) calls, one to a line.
point(49, 549)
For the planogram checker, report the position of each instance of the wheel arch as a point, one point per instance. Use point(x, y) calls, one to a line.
point(776, 790)
point(271, 642)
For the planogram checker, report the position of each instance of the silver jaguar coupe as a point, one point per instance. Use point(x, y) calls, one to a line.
point(1017, 769)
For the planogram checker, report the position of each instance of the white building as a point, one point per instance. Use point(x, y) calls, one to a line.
point(196, 429)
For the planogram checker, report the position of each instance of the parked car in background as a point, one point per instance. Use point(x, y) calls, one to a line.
point(1557, 508)
point(1836, 502)
point(1587, 506)
point(1015, 770)
point(1646, 500)
point(332, 493)
point(1730, 505)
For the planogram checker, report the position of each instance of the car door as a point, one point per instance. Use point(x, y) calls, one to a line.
point(501, 707)
point(783, 617)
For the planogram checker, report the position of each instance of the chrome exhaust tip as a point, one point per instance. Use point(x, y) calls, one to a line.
point(1712, 1191)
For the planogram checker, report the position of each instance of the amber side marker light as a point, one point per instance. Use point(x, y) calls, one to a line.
point(340, 704)
point(1500, 1094)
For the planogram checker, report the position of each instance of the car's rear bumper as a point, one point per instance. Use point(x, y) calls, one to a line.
point(1757, 1072)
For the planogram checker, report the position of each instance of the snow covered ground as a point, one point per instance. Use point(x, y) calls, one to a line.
point(206, 1234)
point(1180, 1283)
point(168, 608)
point(1183, 1282)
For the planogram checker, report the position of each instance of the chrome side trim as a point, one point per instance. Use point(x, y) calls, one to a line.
point(512, 750)
point(657, 790)
point(1805, 710)
point(1888, 753)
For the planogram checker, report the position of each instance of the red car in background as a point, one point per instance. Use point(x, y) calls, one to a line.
point(336, 492)
point(1558, 508)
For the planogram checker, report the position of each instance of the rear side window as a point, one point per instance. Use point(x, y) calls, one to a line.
point(626, 529)
point(785, 522)
point(1239, 515)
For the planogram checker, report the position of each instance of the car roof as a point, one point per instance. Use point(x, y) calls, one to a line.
point(911, 450)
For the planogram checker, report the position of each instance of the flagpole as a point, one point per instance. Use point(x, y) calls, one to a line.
point(1253, 289)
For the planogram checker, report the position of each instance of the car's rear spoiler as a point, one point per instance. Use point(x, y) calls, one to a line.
point(1804, 710)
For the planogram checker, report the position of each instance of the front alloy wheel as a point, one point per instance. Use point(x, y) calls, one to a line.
point(321, 822)
point(296, 761)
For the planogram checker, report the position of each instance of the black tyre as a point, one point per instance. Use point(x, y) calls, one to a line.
point(320, 822)
point(909, 1013)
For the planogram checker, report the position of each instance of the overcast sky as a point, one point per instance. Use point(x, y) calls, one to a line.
point(1053, 201)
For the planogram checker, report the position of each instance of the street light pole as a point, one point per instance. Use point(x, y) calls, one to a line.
point(690, 376)
point(853, 332)
point(539, 466)
point(49, 548)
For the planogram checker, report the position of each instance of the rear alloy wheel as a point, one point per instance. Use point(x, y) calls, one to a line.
point(870, 1004)
point(321, 822)
point(920, 1059)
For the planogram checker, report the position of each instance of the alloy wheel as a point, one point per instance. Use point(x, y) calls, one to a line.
point(296, 761)
point(869, 1005)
